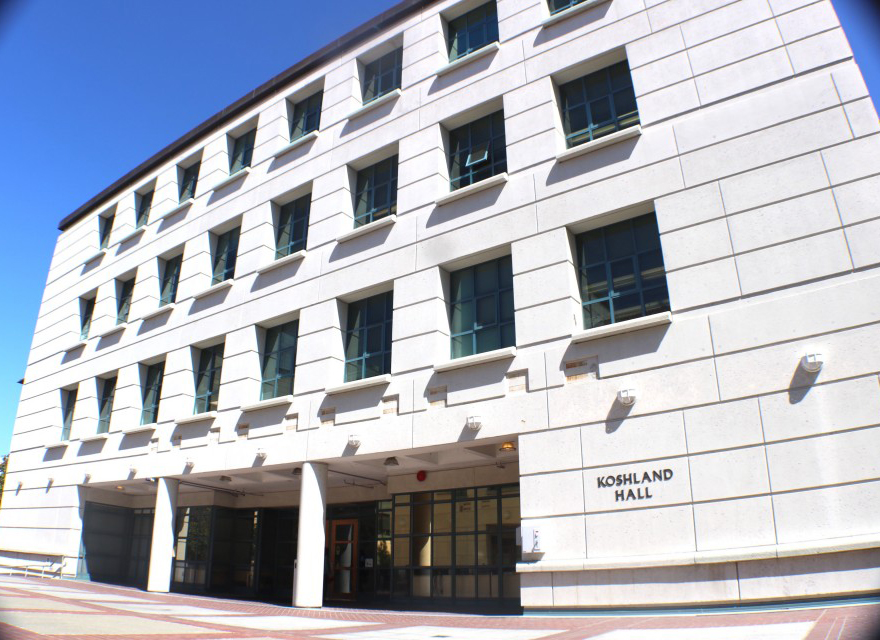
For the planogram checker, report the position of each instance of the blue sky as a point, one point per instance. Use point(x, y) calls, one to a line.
point(92, 88)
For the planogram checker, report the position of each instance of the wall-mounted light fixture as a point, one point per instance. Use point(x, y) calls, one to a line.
point(507, 447)
point(119, 487)
point(225, 479)
point(391, 462)
point(298, 471)
point(86, 478)
point(812, 362)
point(190, 463)
point(626, 397)
point(261, 454)
point(132, 471)
point(474, 423)
point(354, 440)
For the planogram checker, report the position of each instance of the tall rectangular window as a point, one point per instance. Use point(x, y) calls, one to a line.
point(68, 400)
point(368, 337)
point(472, 31)
point(208, 378)
point(105, 226)
point(482, 308)
point(152, 393)
point(189, 182)
point(123, 302)
point(382, 76)
point(144, 204)
point(279, 360)
point(621, 272)
point(598, 104)
point(293, 226)
point(86, 310)
point(376, 192)
point(242, 151)
point(306, 116)
point(225, 253)
point(170, 280)
point(561, 5)
point(105, 405)
point(477, 151)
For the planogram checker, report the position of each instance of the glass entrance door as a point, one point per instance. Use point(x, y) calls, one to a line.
point(342, 576)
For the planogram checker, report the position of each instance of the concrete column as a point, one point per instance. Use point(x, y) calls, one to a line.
point(308, 590)
point(162, 549)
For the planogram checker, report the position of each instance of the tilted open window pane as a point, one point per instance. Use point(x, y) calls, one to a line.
point(123, 303)
point(152, 392)
point(482, 308)
point(376, 192)
point(368, 337)
point(170, 280)
point(293, 226)
point(189, 182)
point(598, 104)
point(106, 226)
point(225, 253)
point(472, 31)
point(477, 151)
point(208, 378)
point(242, 151)
point(561, 5)
point(68, 398)
point(144, 204)
point(87, 308)
point(306, 116)
point(382, 76)
point(279, 360)
point(105, 406)
point(621, 272)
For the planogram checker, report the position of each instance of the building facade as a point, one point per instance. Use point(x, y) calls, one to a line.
point(551, 305)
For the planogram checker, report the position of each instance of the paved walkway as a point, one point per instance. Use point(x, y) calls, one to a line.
point(41, 608)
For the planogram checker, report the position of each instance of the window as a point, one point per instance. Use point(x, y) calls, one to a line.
point(242, 151)
point(561, 5)
point(86, 309)
point(189, 181)
point(382, 76)
point(105, 405)
point(482, 308)
point(105, 226)
point(472, 31)
point(170, 280)
point(225, 252)
point(376, 192)
point(368, 337)
point(293, 226)
point(598, 104)
point(123, 302)
point(208, 378)
point(279, 361)
point(621, 272)
point(143, 204)
point(477, 151)
point(152, 393)
point(306, 116)
point(68, 402)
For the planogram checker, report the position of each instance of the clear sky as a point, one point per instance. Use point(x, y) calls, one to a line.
point(92, 88)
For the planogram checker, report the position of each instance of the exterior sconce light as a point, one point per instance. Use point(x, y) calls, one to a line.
point(626, 397)
point(391, 462)
point(225, 479)
point(189, 463)
point(261, 454)
point(812, 362)
point(133, 471)
point(507, 447)
point(354, 440)
point(298, 471)
point(473, 423)
point(119, 487)
point(86, 478)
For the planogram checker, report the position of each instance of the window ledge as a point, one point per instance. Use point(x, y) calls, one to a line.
point(183, 205)
point(296, 256)
point(100, 253)
point(198, 417)
point(111, 331)
point(478, 358)
point(378, 102)
point(141, 428)
point(482, 185)
point(76, 345)
point(168, 308)
point(96, 436)
point(571, 11)
point(587, 147)
point(131, 236)
point(354, 385)
point(653, 320)
point(214, 288)
point(266, 404)
point(367, 228)
point(61, 444)
point(311, 135)
point(492, 47)
point(238, 175)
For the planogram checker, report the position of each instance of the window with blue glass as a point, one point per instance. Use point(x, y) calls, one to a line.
point(86, 309)
point(279, 360)
point(170, 280)
point(477, 151)
point(188, 182)
point(105, 226)
point(68, 402)
point(105, 404)
point(368, 337)
point(242, 151)
point(621, 272)
point(152, 392)
point(123, 301)
point(376, 192)
point(293, 226)
point(382, 76)
point(598, 104)
point(474, 30)
point(561, 5)
point(208, 378)
point(306, 116)
point(482, 308)
point(225, 254)
point(144, 204)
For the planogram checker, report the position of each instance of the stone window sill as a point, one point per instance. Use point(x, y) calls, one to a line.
point(131, 236)
point(199, 417)
point(354, 385)
point(482, 185)
point(367, 228)
point(311, 135)
point(653, 320)
point(606, 141)
point(238, 175)
point(61, 444)
point(75, 346)
point(111, 331)
point(280, 401)
point(141, 428)
point(186, 204)
point(168, 308)
point(571, 11)
point(92, 438)
point(378, 102)
point(478, 358)
point(100, 253)
point(296, 256)
point(214, 288)
point(492, 47)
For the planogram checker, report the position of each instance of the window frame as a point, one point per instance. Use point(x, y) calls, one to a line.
point(462, 143)
point(567, 4)
point(125, 292)
point(143, 206)
point(151, 392)
point(304, 111)
point(359, 314)
point(242, 151)
point(386, 72)
point(105, 228)
point(189, 181)
point(293, 215)
point(485, 17)
point(224, 255)
point(105, 403)
point(169, 282)
point(86, 314)
point(286, 352)
point(68, 409)
point(209, 370)
point(367, 187)
point(503, 316)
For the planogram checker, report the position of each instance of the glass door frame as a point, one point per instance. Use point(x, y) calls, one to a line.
point(330, 588)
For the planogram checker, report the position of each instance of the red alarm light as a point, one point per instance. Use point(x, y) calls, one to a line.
point(421, 475)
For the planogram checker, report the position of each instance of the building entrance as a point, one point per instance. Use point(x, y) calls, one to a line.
point(342, 572)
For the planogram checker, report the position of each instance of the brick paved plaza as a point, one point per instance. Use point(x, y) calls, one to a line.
point(41, 608)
